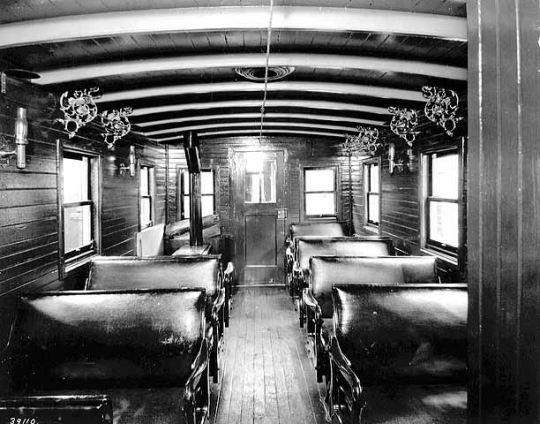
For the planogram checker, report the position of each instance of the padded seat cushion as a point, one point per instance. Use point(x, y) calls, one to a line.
point(331, 229)
point(394, 404)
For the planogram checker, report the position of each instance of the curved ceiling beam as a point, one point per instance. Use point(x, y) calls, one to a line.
point(302, 86)
point(255, 124)
point(224, 116)
point(321, 61)
point(310, 104)
point(255, 132)
point(333, 19)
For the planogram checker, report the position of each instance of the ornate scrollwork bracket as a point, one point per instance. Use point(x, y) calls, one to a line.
point(79, 109)
point(116, 125)
point(404, 123)
point(442, 107)
point(365, 142)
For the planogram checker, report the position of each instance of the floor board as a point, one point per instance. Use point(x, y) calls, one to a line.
point(267, 377)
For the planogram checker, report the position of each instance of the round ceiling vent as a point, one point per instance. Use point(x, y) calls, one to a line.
point(257, 74)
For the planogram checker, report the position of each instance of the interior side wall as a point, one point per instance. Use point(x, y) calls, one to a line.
point(29, 231)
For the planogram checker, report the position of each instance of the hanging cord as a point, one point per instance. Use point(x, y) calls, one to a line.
point(266, 68)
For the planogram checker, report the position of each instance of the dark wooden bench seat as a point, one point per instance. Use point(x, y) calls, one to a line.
point(399, 354)
point(326, 271)
point(67, 409)
point(309, 246)
point(164, 272)
point(318, 229)
point(145, 349)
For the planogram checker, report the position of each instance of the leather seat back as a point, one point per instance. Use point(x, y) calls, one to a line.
point(94, 339)
point(330, 229)
point(129, 272)
point(341, 246)
point(326, 271)
point(403, 333)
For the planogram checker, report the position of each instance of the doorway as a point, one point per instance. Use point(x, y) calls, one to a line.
point(258, 187)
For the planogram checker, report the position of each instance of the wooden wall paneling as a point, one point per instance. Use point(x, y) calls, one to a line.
point(503, 205)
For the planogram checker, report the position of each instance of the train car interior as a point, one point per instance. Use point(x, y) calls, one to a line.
point(269, 211)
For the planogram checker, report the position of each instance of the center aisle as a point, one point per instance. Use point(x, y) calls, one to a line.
point(267, 376)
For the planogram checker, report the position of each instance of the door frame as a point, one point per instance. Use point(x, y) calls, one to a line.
point(237, 227)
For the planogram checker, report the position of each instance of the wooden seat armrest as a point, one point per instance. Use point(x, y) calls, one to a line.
point(311, 302)
point(341, 364)
point(198, 379)
point(297, 271)
point(229, 270)
point(218, 302)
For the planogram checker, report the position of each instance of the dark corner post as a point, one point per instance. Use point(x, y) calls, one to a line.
point(191, 149)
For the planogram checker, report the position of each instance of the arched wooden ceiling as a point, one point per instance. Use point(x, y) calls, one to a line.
point(174, 62)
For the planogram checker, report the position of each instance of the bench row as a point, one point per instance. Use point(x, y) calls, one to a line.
point(138, 344)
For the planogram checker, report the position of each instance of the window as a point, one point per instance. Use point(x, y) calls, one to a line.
point(79, 205)
point(320, 189)
point(372, 188)
point(441, 201)
point(146, 190)
point(260, 178)
point(207, 193)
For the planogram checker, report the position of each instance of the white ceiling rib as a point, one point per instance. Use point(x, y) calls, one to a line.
point(77, 27)
point(317, 61)
point(302, 86)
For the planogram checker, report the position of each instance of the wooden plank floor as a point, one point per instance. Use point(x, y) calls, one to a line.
point(267, 376)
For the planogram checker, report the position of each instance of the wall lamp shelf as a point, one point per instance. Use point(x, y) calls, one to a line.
point(123, 168)
point(7, 150)
point(400, 162)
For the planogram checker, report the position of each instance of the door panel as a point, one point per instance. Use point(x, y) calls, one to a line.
point(258, 194)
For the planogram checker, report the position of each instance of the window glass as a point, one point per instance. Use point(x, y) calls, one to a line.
point(373, 209)
point(260, 180)
point(77, 227)
point(320, 204)
point(443, 223)
point(145, 181)
point(374, 178)
point(146, 195)
point(319, 180)
point(145, 212)
point(444, 174)
point(207, 182)
point(75, 180)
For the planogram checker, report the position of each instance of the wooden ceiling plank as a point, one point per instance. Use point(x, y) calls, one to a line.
point(76, 27)
point(323, 61)
point(242, 86)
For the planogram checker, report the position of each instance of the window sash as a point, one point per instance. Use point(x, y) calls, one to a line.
point(372, 193)
point(208, 201)
point(320, 203)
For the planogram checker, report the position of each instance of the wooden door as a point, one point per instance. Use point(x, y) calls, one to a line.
point(259, 215)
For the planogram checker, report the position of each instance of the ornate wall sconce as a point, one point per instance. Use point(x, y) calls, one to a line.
point(404, 123)
point(402, 161)
point(79, 109)
point(131, 165)
point(441, 107)
point(116, 125)
point(21, 141)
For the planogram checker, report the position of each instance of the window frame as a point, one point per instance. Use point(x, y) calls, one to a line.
point(428, 244)
point(69, 261)
point(182, 174)
point(367, 166)
point(336, 191)
point(151, 193)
